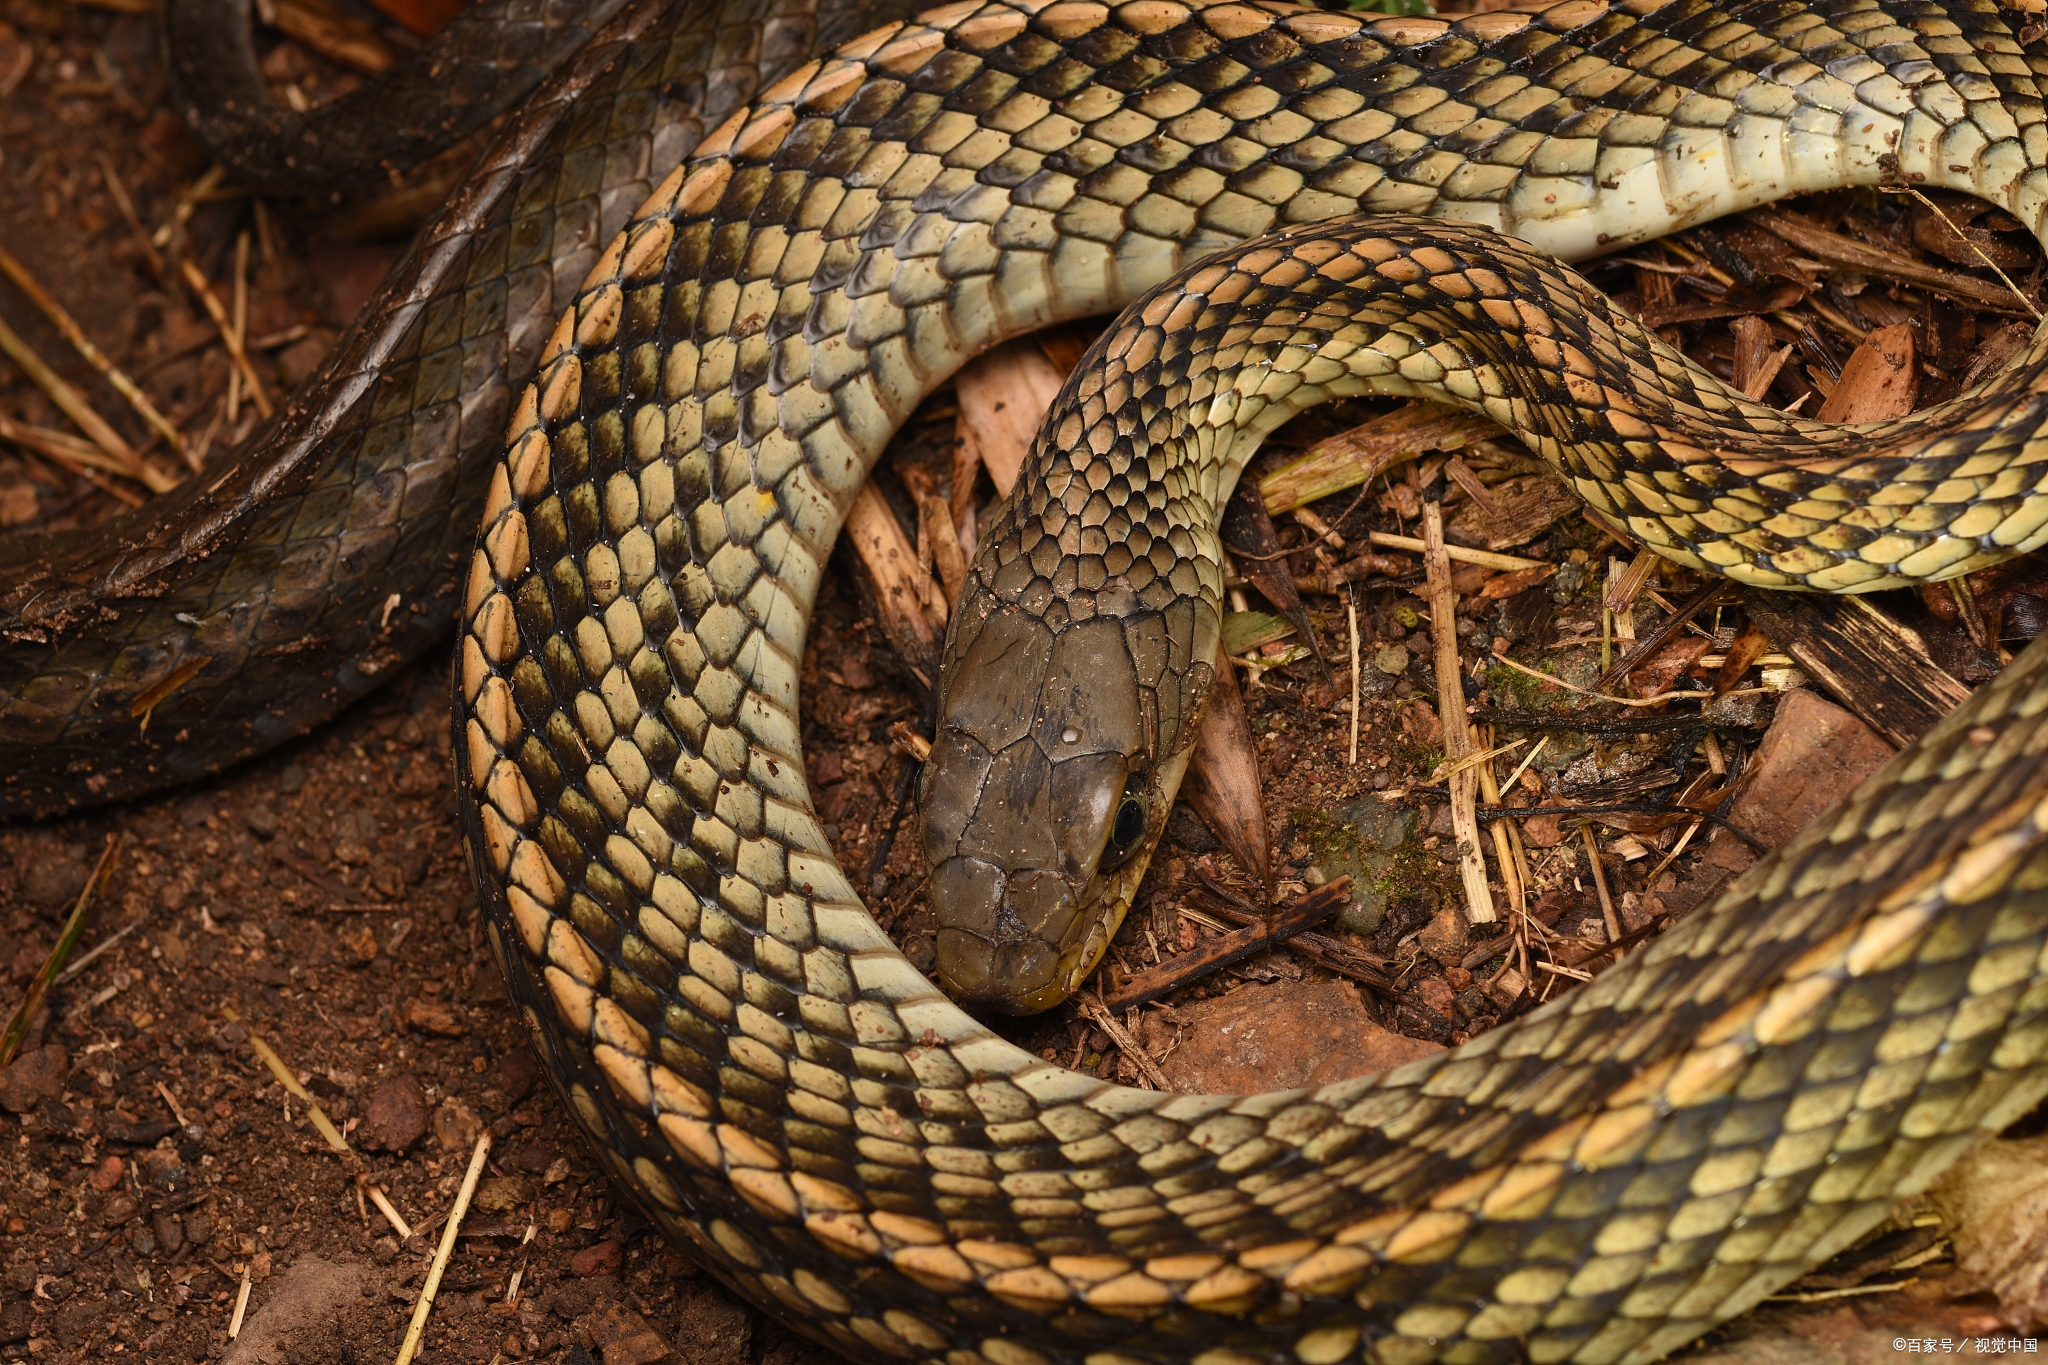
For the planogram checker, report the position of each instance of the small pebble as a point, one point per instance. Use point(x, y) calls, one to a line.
point(108, 1174)
point(262, 821)
point(291, 780)
point(602, 1259)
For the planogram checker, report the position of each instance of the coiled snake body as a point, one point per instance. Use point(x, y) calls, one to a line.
point(1602, 1180)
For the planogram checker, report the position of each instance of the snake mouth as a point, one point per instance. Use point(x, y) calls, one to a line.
point(1010, 936)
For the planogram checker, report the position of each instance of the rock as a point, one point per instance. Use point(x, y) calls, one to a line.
point(262, 820)
point(518, 1073)
point(431, 1015)
point(1260, 1038)
point(455, 1126)
point(170, 1232)
point(503, 1193)
point(108, 1174)
point(1436, 994)
point(623, 1337)
point(602, 1259)
point(291, 780)
point(1445, 936)
point(55, 879)
point(397, 1117)
point(296, 1317)
point(36, 1075)
point(1814, 754)
point(568, 1299)
point(360, 948)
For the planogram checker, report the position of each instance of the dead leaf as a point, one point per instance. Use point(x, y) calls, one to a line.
point(1222, 782)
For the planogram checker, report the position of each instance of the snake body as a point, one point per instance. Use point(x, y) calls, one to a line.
point(1602, 1180)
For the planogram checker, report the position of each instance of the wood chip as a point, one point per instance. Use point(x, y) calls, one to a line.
point(1004, 395)
point(1879, 382)
point(910, 605)
point(1876, 666)
point(1363, 453)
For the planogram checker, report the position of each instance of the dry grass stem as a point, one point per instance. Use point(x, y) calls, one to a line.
point(1155, 1079)
point(241, 1306)
point(1450, 699)
point(61, 318)
point(328, 1132)
point(1351, 620)
point(171, 1103)
point(1486, 559)
point(87, 958)
point(219, 313)
point(1600, 885)
point(1935, 209)
point(418, 1326)
point(73, 404)
point(46, 976)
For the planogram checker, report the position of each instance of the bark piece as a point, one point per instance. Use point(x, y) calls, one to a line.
point(1876, 666)
point(1363, 453)
point(1995, 1203)
point(1814, 754)
point(1527, 506)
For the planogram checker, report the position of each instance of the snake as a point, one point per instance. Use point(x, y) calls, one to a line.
point(1288, 205)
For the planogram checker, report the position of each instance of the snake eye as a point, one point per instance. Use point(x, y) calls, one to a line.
point(1129, 829)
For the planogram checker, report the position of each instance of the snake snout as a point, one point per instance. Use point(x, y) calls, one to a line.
point(999, 944)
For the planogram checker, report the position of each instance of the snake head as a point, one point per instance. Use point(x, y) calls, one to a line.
point(1050, 781)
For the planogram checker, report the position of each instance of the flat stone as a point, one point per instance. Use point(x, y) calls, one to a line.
point(623, 1337)
point(456, 1126)
point(398, 1115)
point(37, 1074)
point(299, 1310)
point(1281, 1037)
point(602, 1259)
point(1814, 754)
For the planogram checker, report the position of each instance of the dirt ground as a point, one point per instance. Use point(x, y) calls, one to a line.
point(317, 898)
